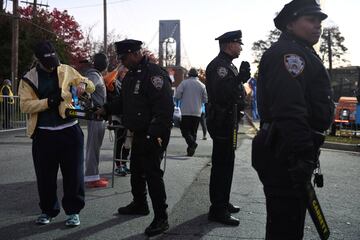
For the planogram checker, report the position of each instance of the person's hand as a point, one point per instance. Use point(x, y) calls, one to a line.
point(81, 89)
point(159, 140)
point(54, 99)
point(155, 140)
point(100, 113)
point(244, 71)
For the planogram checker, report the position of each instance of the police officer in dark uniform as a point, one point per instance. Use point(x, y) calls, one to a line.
point(296, 107)
point(147, 107)
point(225, 91)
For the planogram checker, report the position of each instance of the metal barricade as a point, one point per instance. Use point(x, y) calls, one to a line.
point(11, 117)
point(117, 138)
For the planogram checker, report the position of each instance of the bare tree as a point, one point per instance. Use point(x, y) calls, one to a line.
point(332, 48)
point(260, 46)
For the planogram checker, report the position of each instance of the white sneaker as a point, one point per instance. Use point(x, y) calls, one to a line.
point(73, 220)
point(43, 219)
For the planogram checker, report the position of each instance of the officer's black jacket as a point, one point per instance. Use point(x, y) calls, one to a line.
point(299, 102)
point(222, 81)
point(224, 88)
point(145, 100)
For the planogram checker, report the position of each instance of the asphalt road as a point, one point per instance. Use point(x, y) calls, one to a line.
point(187, 182)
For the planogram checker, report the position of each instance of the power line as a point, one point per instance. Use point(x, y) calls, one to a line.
point(35, 4)
point(29, 21)
point(185, 57)
point(96, 5)
point(153, 38)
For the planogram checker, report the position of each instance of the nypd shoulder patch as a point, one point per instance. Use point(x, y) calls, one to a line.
point(157, 81)
point(294, 64)
point(222, 72)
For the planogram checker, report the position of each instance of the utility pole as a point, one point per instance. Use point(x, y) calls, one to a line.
point(105, 28)
point(35, 5)
point(15, 46)
point(34, 9)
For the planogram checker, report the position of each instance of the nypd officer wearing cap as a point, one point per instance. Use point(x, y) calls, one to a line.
point(225, 90)
point(296, 107)
point(147, 107)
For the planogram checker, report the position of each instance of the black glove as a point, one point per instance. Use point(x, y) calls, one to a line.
point(244, 71)
point(54, 99)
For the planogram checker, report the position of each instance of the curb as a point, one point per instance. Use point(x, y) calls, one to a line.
point(342, 146)
point(326, 145)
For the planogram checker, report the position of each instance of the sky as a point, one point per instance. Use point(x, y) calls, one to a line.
point(201, 21)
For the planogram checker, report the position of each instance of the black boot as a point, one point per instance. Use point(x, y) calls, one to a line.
point(191, 150)
point(223, 217)
point(233, 209)
point(135, 209)
point(158, 225)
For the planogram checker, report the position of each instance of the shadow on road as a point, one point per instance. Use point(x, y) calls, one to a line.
point(19, 197)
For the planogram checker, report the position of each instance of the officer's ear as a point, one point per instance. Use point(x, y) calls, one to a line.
point(139, 53)
point(290, 26)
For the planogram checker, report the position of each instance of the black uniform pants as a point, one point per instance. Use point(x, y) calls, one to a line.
point(222, 169)
point(285, 213)
point(285, 208)
point(189, 126)
point(64, 148)
point(146, 156)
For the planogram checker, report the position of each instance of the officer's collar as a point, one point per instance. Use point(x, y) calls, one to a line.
point(292, 37)
point(226, 56)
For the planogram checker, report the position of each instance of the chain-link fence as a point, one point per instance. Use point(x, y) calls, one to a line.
point(10, 115)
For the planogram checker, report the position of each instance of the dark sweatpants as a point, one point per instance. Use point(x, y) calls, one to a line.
point(189, 126)
point(64, 148)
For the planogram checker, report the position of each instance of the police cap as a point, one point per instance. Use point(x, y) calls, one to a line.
point(295, 9)
point(233, 36)
point(127, 46)
point(45, 52)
